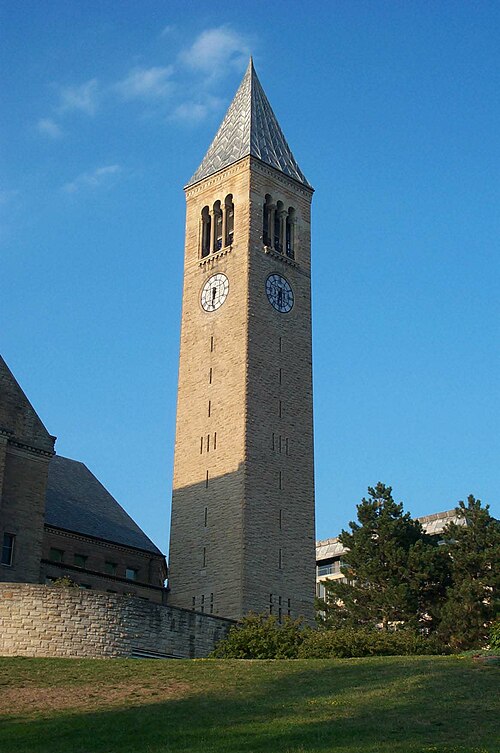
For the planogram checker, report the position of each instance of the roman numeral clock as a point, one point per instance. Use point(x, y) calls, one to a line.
point(242, 532)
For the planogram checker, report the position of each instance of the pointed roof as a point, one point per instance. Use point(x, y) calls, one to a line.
point(249, 128)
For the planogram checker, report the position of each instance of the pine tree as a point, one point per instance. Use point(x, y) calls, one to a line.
point(472, 601)
point(394, 573)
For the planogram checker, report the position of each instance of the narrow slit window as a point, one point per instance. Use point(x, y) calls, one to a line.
point(215, 440)
point(280, 376)
point(279, 443)
point(201, 445)
point(208, 442)
point(289, 608)
point(281, 519)
point(272, 442)
point(281, 345)
point(210, 376)
point(202, 603)
point(211, 603)
point(280, 480)
point(209, 408)
point(193, 602)
point(206, 517)
point(280, 409)
point(206, 481)
point(212, 344)
point(204, 556)
point(270, 603)
point(286, 446)
point(229, 210)
point(280, 559)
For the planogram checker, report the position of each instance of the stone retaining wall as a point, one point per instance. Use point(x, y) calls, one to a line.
point(38, 620)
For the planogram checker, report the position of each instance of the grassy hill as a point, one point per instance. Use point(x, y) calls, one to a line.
point(373, 705)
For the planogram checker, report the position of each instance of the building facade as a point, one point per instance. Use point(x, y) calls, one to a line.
point(57, 520)
point(329, 552)
point(242, 531)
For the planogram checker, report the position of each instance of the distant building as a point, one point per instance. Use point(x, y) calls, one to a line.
point(57, 519)
point(329, 552)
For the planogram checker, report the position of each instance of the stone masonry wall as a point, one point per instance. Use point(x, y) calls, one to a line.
point(38, 620)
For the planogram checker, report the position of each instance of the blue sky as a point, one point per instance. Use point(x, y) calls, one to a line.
point(392, 112)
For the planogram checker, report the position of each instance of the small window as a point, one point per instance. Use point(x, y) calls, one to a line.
point(280, 559)
point(131, 573)
point(79, 560)
point(211, 603)
point(206, 225)
point(270, 603)
point(202, 603)
point(193, 603)
point(8, 549)
point(56, 555)
point(110, 568)
point(229, 208)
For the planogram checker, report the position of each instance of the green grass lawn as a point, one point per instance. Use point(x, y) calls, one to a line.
point(373, 705)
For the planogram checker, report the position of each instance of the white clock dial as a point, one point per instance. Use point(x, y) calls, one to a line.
point(279, 293)
point(214, 292)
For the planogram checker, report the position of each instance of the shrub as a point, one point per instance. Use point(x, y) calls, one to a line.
point(260, 636)
point(351, 642)
point(495, 636)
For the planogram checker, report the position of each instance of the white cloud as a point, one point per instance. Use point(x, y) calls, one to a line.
point(214, 49)
point(82, 98)
point(195, 112)
point(50, 128)
point(146, 83)
point(167, 30)
point(101, 176)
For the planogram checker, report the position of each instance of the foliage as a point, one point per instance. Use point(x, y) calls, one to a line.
point(472, 600)
point(346, 642)
point(494, 636)
point(260, 636)
point(65, 582)
point(394, 572)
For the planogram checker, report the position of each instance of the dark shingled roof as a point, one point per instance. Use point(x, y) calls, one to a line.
point(77, 501)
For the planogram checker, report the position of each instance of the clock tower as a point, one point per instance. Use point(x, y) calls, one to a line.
point(242, 532)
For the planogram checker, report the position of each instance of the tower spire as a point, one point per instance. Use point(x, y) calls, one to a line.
point(249, 127)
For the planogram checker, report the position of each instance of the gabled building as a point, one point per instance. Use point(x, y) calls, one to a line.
point(57, 519)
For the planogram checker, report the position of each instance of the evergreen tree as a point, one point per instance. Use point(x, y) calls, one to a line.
point(472, 601)
point(394, 573)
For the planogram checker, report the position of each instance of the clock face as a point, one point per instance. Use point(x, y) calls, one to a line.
point(214, 292)
point(279, 293)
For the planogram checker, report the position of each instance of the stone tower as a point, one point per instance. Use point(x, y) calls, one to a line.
point(242, 534)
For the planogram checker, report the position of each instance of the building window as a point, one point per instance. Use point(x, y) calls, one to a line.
point(193, 603)
point(206, 227)
point(204, 556)
point(229, 210)
point(206, 517)
point(131, 573)
point(202, 603)
point(56, 555)
point(289, 608)
point(270, 603)
point(280, 559)
point(8, 549)
point(110, 568)
point(211, 603)
point(218, 226)
point(79, 560)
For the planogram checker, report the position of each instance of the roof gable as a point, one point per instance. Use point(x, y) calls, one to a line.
point(18, 418)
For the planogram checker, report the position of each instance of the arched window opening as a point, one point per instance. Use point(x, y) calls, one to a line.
point(217, 226)
point(267, 221)
point(290, 233)
point(206, 224)
point(279, 229)
point(229, 218)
